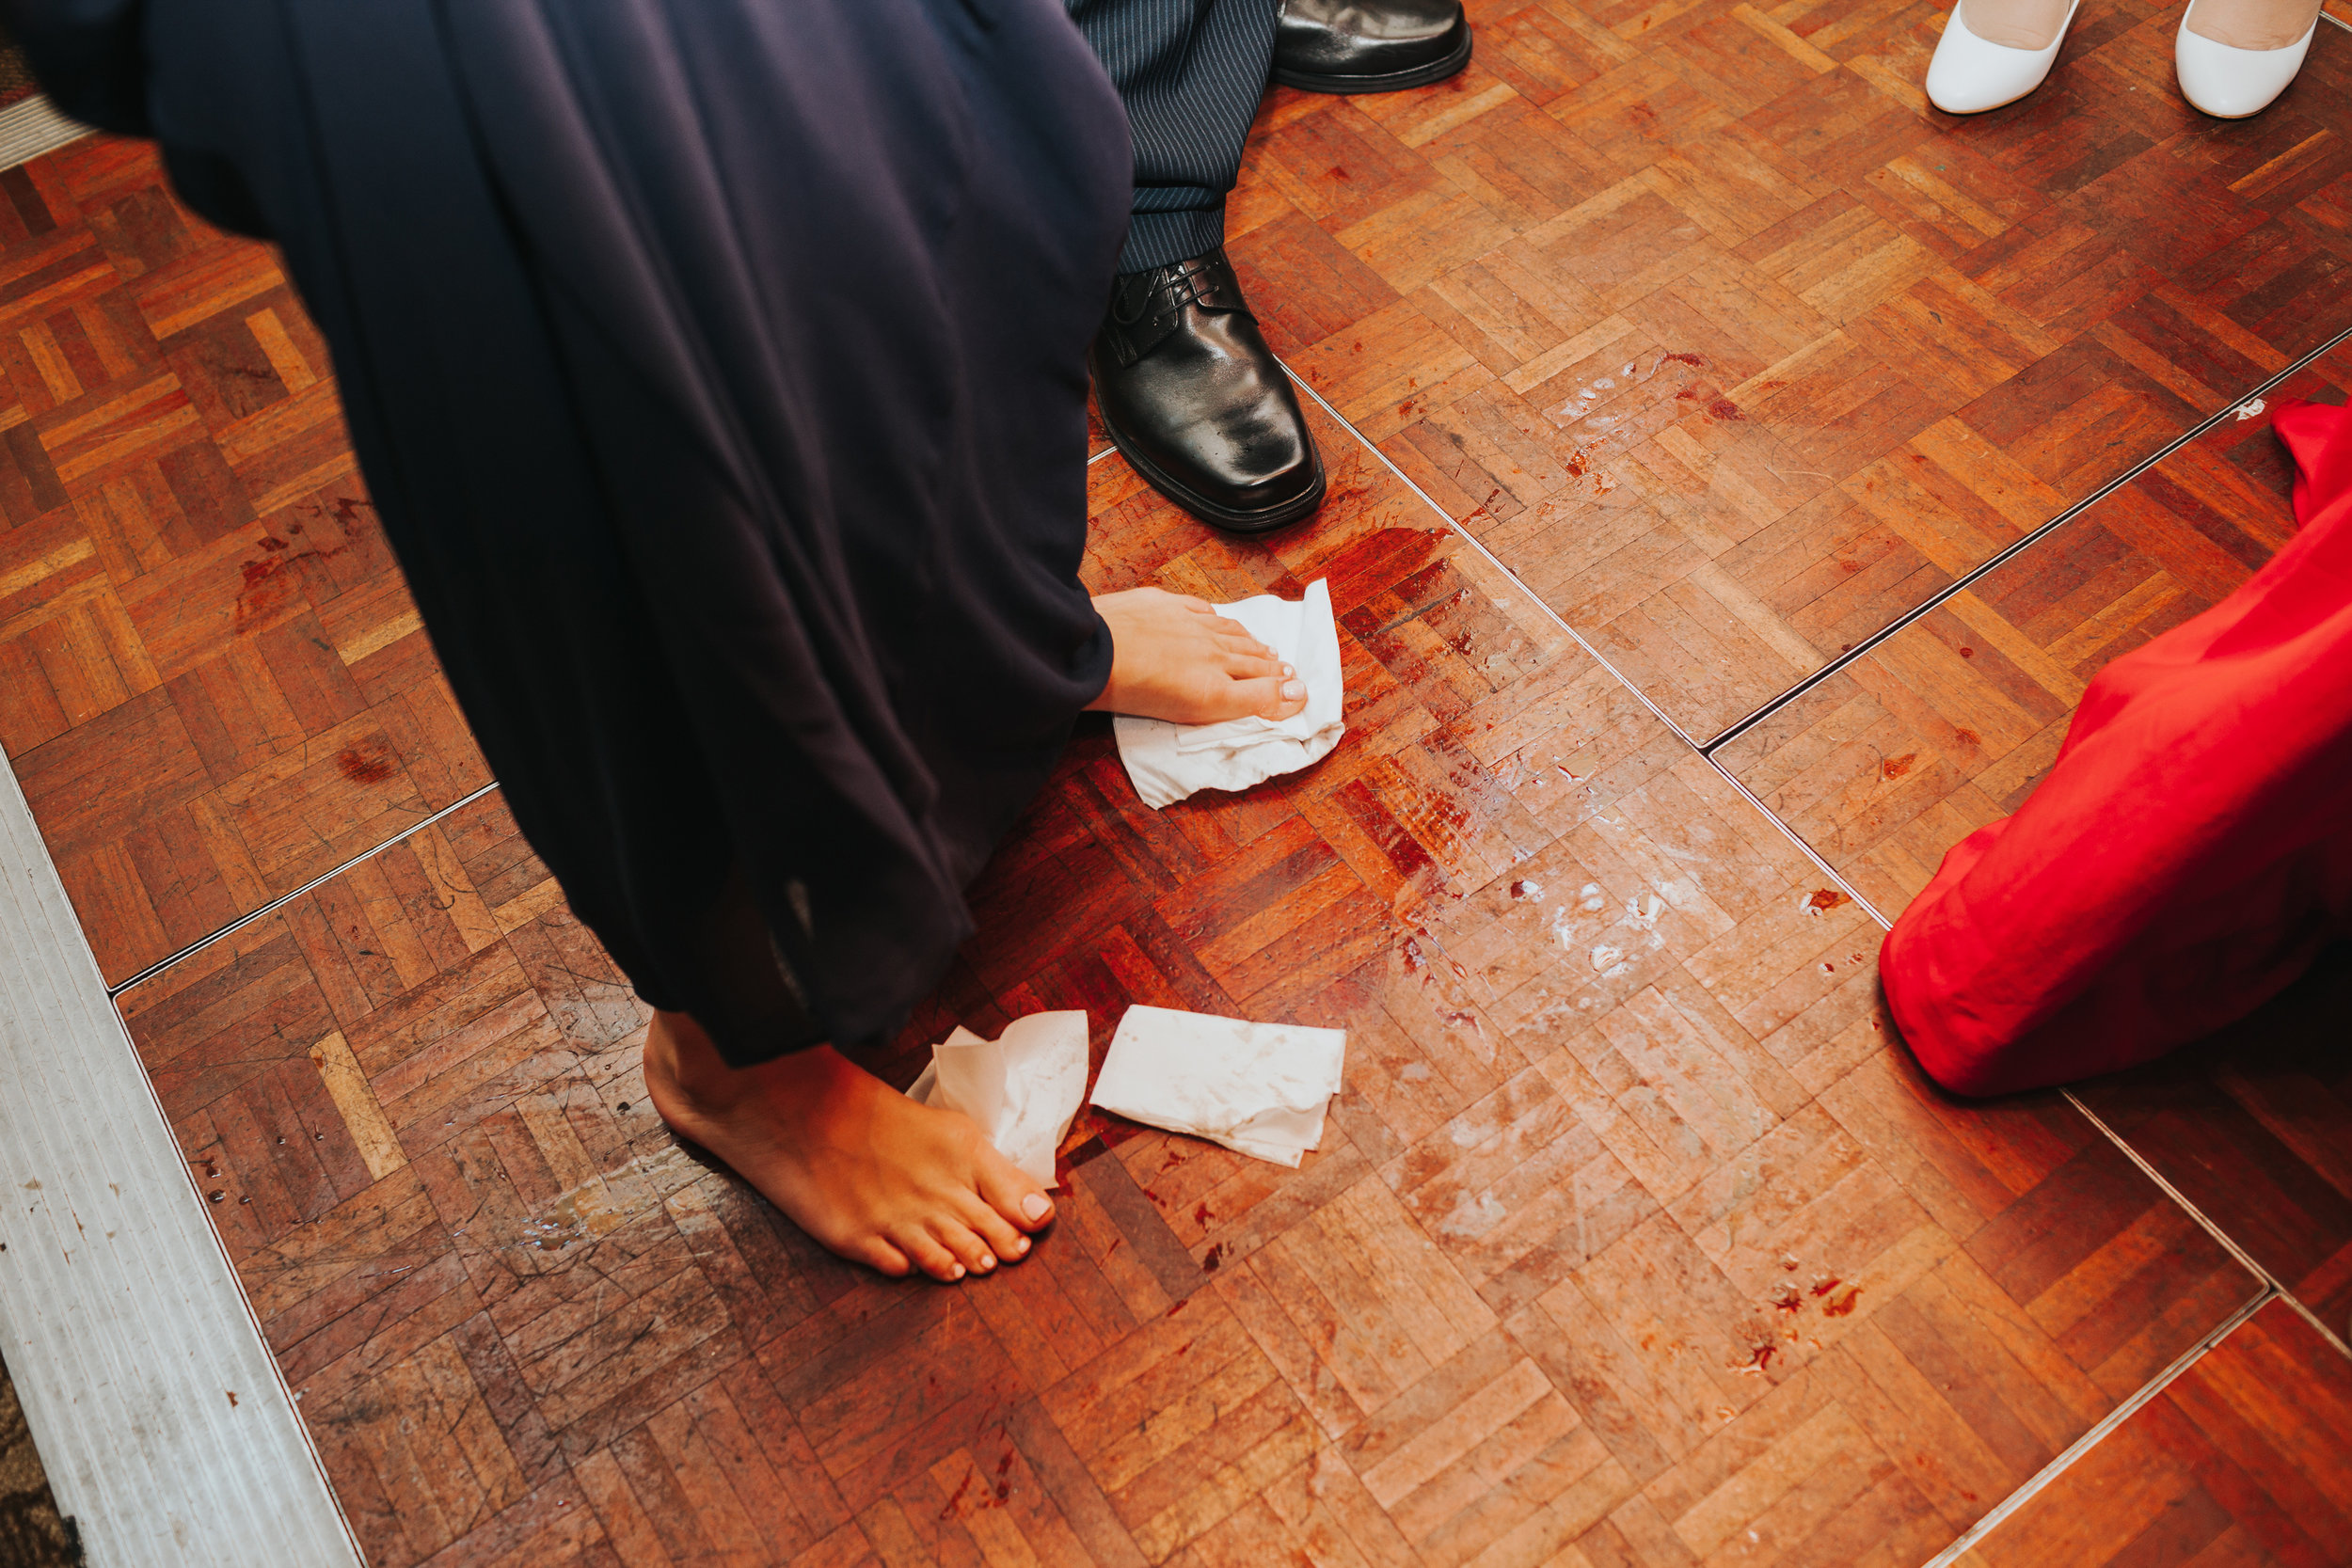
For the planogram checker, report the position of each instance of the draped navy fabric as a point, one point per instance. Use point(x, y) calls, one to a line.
point(717, 370)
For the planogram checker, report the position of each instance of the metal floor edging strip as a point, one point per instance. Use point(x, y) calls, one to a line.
point(159, 1413)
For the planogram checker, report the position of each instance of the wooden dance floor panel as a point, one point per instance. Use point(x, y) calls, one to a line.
point(1695, 313)
point(2206, 1471)
point(1949, 723)
point(1636, 1241)
point(212, 686)
point(1633, 1223)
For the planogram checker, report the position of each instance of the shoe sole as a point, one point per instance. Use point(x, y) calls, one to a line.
point(1263, 521)
point(1395, 81)
point(1964, 114)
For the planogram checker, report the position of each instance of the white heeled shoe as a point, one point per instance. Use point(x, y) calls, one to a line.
point(2229, 82)
point(1970, 74)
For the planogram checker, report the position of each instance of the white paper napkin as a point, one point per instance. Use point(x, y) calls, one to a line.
point(1258, 1088)
point(1024, 1087)
point(1168, 762)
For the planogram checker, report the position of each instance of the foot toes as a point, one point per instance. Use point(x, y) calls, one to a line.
point(1010, 1192)
point(1271, 697)
point(1002, 1241)
point(880, 1257)
point(969, 1247)
point(925, 1251)
point(1247, 667)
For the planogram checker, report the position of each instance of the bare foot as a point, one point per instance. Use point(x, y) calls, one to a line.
point(868, 1172)
point(1174, 657)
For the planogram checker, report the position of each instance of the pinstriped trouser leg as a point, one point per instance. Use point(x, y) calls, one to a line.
point(1191, 72)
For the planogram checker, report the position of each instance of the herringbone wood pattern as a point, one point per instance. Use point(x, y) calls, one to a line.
point(1635, 1240)
point(2207, 1473)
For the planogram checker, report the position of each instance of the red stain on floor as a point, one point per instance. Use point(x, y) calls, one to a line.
point(360, 767)
point(267, 589)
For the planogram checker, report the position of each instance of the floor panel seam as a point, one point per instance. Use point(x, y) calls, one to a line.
point(2268, 1289)
point(1493, 559)
point(2107, 1424)
point(1789, 831)
point(1706, 748)
point(137, 1331)
point(2003, 557)
point(266, 911)
point(2212, 1228)
point(1562, 622)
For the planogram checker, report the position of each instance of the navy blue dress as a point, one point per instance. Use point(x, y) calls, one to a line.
point(717, 368)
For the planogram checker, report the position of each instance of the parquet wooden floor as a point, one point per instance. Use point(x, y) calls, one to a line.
point(2206, 1473)
point(1633, 1234)
point(1949, 723)
point(1694, 312)
point(1635, 1240)
point(212, 686)
point(2254, 1127)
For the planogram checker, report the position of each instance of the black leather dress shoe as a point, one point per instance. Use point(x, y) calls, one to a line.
point(1194, 400)
point(1369, 45)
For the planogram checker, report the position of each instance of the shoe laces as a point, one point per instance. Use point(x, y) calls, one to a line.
point(1164, 290)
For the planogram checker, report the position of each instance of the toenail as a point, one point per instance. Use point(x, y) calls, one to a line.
point(955, 1270)
point(1293, 690)
point(1019, 1243)
point(987, 1262)
point(1035, 1206)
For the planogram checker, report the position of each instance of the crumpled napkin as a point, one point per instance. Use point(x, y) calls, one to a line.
point(1258, 1088)
point(1168, 762)
point(1024, 1087)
